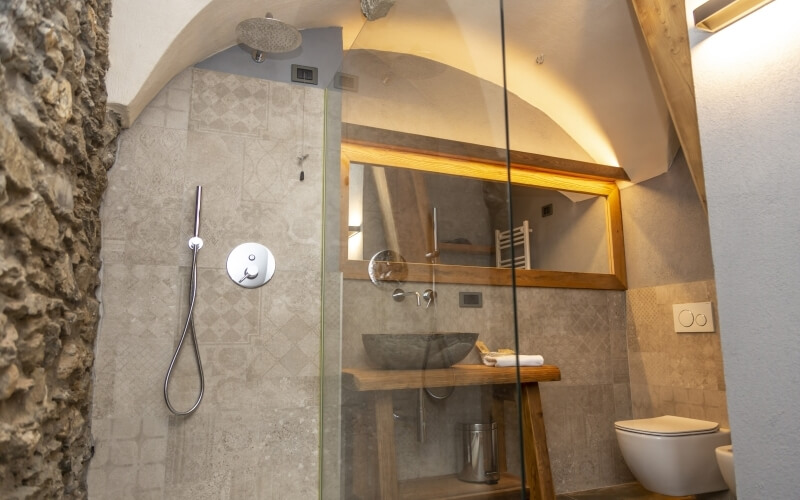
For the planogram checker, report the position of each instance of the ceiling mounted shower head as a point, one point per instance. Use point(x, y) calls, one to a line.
point(267, 34)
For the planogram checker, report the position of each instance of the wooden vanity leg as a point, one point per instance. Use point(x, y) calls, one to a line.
point(387, 462)
point(497, 414)
point(537, 461)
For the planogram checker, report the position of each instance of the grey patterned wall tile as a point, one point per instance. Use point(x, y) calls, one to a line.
point(290, 237)
point(293, 464)
point(160, 162)
point(303, 355)
point(271, 176)
point(149, 318)
point(215, 160)
point(153, 117)
point(620, 371)
point(182, 80)
point(150, 237)
point(101, 433)
point(286, 392)
point(228, 103)
point(114, 211)
point(222, 228)
point(259, 354)
point(112, 251)
point(131, 463)
point(140, 368)
point(622, 402)
point(285, 123)
point(225, 313)
point(170, 107)
point(104, 374)
point(270, 170)
point(291, 293)
point(178, 99)
point(270, 453)
point(189, 450)
point(176, 119)
point(677, 368)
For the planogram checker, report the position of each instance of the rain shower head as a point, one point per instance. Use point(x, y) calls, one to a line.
point(266, 34)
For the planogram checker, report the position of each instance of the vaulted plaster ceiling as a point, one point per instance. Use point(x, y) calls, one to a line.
point(596, 81)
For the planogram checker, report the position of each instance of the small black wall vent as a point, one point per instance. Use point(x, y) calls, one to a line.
point(470, 299)
point(304, 74)
point(345, 81)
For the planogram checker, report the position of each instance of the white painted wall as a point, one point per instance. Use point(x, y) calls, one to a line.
point(747, 82)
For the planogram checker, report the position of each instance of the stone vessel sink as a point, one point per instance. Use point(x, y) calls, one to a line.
point(417, 351)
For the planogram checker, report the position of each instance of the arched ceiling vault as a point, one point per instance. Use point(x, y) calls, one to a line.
point(596, 80)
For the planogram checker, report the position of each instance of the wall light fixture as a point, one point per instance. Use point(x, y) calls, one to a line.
point(716, 14)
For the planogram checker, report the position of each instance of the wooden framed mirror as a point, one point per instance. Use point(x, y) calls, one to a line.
point(566, 213)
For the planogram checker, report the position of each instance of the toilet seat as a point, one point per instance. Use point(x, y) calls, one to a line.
point(668, 425)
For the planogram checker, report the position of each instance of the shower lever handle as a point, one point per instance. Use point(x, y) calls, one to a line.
point(250, 272)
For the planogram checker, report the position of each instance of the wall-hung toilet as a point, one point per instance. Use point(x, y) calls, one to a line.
point(725, 462)
point(673, 455)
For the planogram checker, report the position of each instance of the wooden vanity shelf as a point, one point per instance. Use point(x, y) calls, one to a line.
point(452, 488)
point(498, 387)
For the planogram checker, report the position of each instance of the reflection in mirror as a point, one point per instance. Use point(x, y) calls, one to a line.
point(565, 231)
point(567, 222)
point(568, 230)
point(387, 267)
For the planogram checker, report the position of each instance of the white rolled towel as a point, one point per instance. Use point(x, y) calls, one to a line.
point(494, 359)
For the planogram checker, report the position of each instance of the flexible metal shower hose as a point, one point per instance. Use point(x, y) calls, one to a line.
point(195, 244)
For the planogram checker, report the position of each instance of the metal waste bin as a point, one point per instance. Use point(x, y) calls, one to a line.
point(478, 457)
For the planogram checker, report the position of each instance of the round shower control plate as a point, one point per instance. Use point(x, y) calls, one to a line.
point(251, 265)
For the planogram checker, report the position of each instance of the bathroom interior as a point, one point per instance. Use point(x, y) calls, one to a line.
point(379, 161)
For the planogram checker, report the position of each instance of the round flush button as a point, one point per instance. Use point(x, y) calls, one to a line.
point(701, 320)
point(686, 318)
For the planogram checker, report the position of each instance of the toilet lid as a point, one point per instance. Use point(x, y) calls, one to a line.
point(668, 425)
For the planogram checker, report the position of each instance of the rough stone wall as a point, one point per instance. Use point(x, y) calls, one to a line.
point(56, 143)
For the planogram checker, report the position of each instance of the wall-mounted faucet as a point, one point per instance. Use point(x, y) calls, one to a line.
point(399, 295)
point(429, 296)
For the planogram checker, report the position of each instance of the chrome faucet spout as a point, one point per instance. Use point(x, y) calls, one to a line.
point(399, 295)
point(429, 296)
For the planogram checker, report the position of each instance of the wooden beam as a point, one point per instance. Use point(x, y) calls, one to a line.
point(411, 143)
point(385, 202)
point(523, 175)
point(666, 33)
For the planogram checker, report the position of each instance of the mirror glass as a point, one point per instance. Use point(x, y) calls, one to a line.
point(393, 208)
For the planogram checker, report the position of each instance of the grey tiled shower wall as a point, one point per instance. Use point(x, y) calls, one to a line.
point(255, 434)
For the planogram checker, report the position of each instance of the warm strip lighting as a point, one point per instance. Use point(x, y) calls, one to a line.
point(716, 14)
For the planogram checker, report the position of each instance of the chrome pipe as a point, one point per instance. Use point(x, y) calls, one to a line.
point(197, 212)
point(435, 233)
point(421, 424)
point(435, 253)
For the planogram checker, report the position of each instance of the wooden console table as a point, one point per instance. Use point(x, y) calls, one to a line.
point(381, 383)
